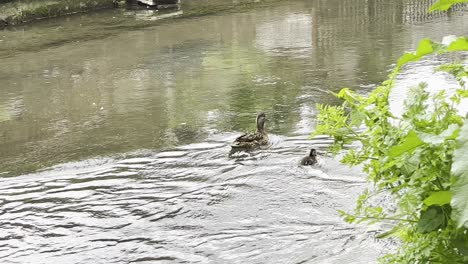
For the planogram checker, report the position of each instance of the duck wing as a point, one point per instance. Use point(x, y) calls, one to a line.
point(308, 161)
point(247, 141)
point(248, 138)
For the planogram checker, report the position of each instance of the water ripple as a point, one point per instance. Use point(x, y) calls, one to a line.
point(190, 204)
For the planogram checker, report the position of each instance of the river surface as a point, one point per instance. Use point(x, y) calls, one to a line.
point(115, 128)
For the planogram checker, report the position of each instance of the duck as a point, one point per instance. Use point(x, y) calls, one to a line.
point(255, 140)
point(311, 159)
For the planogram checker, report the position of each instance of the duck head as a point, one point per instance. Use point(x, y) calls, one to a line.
point(261, 118)
point(313, 153)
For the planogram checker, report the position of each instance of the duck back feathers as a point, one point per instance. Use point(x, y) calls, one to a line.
point(253, 140)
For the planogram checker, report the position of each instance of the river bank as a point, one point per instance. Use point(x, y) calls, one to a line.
point(18, 12)
point(47, 33)
point(14, 12)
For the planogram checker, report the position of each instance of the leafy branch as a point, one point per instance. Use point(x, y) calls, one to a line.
point(420, 158)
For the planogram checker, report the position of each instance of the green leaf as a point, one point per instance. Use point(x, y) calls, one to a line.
point(461, 243)
point(460, 170)
point(461, 44)
point(410, 143)
point(462, 93)
point(410, 165)
point(425, 47)
point(347, 217)
point(356, 117)
point(431, 219)
point(438, 198)
point(389, 233)
point(443, 5)
point(450, 133)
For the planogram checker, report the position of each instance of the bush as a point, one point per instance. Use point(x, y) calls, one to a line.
point(420, 159)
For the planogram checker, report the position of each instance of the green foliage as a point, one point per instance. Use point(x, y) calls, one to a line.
point(408, 145)
point(419, 158)
point(426, 46)
point(443, 5)
point(458, 45)
point(460, 72)
point(432, 219)
point(438, 198)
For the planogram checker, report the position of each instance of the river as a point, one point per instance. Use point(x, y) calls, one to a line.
point(115, 128)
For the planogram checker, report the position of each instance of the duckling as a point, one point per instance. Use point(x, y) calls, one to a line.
point(252, 141)
point(311, 159)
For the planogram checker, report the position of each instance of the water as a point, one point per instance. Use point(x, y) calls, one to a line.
point(114, 131)
point(190, 205)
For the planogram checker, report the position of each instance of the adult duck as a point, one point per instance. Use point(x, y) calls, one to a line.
point(311, 159)
point(255, 140)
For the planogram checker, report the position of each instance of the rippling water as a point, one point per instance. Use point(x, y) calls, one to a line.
point(192, 204)
point(115, 130)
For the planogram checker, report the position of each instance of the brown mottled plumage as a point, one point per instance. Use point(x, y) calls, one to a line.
point(252, 141)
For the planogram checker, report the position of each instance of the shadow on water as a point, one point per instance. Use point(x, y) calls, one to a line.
point(190, 204)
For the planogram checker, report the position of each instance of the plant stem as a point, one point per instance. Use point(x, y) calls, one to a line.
point(385, 218)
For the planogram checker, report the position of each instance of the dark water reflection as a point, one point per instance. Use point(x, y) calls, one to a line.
point(178, 82)
point(185, 86)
